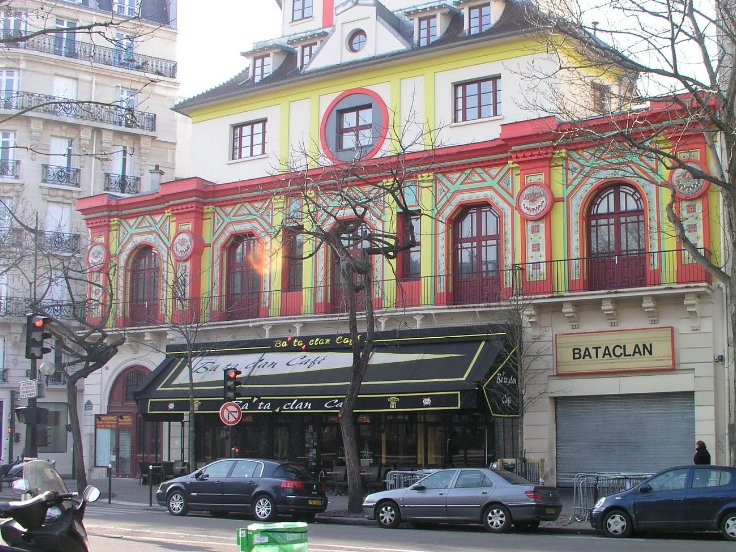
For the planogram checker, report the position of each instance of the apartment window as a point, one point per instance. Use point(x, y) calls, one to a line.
point(477, 99)
point(357, 41)
point(411, 268)
point(7, 146)
point(307, 53)
point(53, 436)
point(479, 18)
point(355, 127)
point(124, 54)
point(249, 139)
point(64, 37)
point(293, 258)
point(301, 9)
point(61, 150)
point(601, 98)
point(12, 24)
point(129, 8)
point(9, 83)
point(261, 67)
point(427, 30)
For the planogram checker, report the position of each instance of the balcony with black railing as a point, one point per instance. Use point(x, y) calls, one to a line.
point(60, 176)
point(60, 242)
point(12, 307)
point(109, 114)
point(9, 169)
point(563, 278)
point(59, 45)
point(122, 183)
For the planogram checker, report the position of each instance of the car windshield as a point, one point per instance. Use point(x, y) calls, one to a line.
point(292, 471)
point(42, 476)
point(512, 478)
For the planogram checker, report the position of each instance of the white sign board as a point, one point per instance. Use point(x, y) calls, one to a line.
point(28, 389)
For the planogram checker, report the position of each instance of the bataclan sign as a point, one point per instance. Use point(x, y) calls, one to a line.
point(615, 351)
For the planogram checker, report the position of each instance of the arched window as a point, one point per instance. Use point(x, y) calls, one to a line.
point(476, 275)
point(144, 279)
point(244, 266)
point(617, 239)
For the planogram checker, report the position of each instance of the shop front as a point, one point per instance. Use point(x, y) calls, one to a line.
point(429, 398)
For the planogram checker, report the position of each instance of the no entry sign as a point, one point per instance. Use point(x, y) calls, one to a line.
point(230, 413)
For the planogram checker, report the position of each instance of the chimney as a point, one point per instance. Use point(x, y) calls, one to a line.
point(156, 174)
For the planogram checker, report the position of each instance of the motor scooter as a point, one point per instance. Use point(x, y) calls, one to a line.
point(50, 520)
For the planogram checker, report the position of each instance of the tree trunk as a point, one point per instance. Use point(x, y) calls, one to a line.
point(361, 355)
point(191, 453)
point(80, 472)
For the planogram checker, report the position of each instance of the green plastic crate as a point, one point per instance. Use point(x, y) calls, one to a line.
point(288, 536)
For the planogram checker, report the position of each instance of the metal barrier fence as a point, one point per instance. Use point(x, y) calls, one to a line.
point(589, 487)
point(398, 479)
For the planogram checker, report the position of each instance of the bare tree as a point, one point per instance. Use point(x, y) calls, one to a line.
point(338, 208)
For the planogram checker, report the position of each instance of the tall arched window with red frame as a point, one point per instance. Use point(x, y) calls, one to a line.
point(616, 238)
point(244, 265)
point(143, 289)
point(476, 262)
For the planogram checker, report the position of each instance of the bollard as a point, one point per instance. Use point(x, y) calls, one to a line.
point(150, 485)
point(109, 483)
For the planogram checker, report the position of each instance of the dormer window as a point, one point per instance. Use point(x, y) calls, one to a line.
point(479, 18)
point(307, 51)
point(261, 67)
point(301, 9)
point(427, 30)
point(357, 40)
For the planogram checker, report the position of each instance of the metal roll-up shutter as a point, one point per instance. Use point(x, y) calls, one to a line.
point(623, 434)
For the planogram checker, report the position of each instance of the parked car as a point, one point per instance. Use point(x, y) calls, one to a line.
point(265, 488)
point(497, 499)
point(684, 498)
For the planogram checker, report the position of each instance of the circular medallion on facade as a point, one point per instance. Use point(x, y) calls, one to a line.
point(685, 184)
point(96, 256)
point(183, 245)
point(534, 201)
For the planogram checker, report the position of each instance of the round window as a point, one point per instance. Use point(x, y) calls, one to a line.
point(357, 40)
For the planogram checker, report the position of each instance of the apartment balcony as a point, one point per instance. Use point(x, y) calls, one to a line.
point(558, 278)
point(14, 307)
point(9, 169)
point(60, 243)
point(109, 114)
point(60, 176)
point(58, 45)
point(122, 183)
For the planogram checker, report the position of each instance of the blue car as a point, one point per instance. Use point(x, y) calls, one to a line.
point(683, 498)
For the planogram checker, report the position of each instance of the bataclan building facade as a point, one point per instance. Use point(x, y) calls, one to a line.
point(557, 253)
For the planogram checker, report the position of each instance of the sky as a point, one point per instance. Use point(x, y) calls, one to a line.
point(212, 36)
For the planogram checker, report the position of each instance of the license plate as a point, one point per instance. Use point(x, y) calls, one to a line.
point(551, 510)
point(314, 502)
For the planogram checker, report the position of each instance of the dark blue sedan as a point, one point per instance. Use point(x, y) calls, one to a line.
point(684, 498)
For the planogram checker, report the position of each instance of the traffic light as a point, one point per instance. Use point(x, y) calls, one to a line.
point(231, 384)
point(37, 332)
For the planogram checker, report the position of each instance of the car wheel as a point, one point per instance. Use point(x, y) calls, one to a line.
point(728, 526)
point(387, 514)
point(617, 523)
point(176, 503)
point(264, 509)
point(497, 518)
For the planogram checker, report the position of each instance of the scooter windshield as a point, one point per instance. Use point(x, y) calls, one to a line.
point(42, 476)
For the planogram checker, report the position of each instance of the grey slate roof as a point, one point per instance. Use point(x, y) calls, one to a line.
point(517, 18)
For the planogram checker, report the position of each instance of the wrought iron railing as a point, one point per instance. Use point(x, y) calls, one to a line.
point(57, 378)
point(60, 242)
point(11, 307)
point(567, 276)
point(58, 45)
point(61, 176)
point(9, 168)
point(122, 183)
point(78, 109)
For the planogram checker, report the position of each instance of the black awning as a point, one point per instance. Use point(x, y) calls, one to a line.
point(419, 370)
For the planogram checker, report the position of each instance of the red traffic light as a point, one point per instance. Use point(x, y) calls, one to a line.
point(232, 373)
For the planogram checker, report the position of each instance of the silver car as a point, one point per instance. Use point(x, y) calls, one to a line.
point(497, 499)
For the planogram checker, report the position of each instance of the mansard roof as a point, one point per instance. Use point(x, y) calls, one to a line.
point(517, 18)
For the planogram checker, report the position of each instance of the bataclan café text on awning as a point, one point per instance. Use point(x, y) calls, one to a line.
point(419, 370)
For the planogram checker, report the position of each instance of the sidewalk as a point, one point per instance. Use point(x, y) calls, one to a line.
point(131, 492)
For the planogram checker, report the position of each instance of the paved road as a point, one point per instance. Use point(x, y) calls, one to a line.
point(116, 528)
